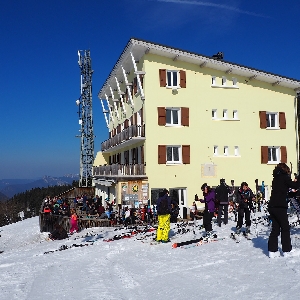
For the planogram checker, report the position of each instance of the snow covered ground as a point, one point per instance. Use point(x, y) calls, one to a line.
point(130, 269)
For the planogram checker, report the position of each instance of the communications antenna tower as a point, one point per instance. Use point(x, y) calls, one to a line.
point(85, 119)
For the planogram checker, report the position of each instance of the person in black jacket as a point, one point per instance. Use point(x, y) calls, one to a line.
point(244, 198)
point(278, 210)
point(222, 192)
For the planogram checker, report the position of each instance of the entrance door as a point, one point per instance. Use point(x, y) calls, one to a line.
point(180, 196)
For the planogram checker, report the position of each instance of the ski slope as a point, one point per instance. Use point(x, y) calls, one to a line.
point(32, 267)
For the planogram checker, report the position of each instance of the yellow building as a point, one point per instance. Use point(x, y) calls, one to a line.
point(177, 119)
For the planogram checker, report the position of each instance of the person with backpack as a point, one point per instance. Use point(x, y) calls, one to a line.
point(163, 206)
point(222, 191)
point(209, 200)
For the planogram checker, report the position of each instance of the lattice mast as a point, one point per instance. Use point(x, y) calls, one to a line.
point(86, 119)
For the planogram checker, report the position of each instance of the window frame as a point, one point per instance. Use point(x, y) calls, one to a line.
point(216, 150)
point(172, 86)
point(178, 109)
point(268, 120)
point(173, 162)
point(277, 153)
point(226, 151)
point(214, 115)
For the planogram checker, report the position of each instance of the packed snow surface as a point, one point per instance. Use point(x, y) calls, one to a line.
point(86, 267)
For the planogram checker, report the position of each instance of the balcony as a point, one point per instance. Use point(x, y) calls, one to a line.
point(126, 137)
point(120, 170)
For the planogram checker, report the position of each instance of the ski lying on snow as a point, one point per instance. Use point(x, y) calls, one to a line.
point(203, 242)
point(199, 241)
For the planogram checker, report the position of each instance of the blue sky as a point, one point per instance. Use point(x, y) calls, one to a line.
point(40, 77)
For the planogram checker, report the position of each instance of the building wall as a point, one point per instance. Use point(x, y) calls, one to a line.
point(203, 133)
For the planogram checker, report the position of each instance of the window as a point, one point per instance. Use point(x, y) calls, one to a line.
point(172, 116)
point(213, 80)
point(225, 150)
point(216, 151)
point(173, 154)
point(223, 80)
point(214, 114)
point(224, 113)
point(235, 115)
point(273, 155)
point(236, 151)
point(272, 120)
point(234, 81)
point(172, 78)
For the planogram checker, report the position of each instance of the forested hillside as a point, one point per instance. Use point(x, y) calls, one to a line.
point(29, 202)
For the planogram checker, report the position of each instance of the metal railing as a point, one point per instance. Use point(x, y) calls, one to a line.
point(125, 135)
point(120, 170)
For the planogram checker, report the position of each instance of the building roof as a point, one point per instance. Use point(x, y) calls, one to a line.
point(140, 47)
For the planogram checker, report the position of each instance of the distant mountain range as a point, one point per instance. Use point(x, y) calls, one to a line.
point(10, 187)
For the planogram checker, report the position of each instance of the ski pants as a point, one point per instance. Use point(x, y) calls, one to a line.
point(223, 207)
point(207, 217)
point(163, 228)
point(280, 223)
point(241, 212)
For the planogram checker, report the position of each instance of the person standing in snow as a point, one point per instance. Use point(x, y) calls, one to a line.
point(73, 222)
point(209, 200)
point(278, 210)
point(244, 198)
point(163, 206)
point(222, 192)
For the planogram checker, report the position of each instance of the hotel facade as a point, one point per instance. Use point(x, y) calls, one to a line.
point(178, 119)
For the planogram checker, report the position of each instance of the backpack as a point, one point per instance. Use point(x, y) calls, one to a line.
point(163, 208)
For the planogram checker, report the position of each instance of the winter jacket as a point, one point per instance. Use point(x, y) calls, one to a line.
point(209, 200)
point(244, 198)
point(159, 201)
point(280, 187)
point(222, 192)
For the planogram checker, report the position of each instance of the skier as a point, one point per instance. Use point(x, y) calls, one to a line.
point(278, 211)
point(209, 200)
point(163, 211)
point(244, 200)
point(222, 192)
point(73, 222)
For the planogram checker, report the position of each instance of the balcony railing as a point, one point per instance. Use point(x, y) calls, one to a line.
point(125, 135)
point(120, 170)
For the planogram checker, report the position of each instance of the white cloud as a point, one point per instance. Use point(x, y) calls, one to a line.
point(215, 5)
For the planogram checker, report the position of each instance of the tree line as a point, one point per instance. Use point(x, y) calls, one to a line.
point(29, 203)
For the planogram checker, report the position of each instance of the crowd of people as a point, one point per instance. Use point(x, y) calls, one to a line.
point(218, 203)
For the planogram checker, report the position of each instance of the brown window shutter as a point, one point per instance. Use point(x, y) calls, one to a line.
point(186, 154)
point(142, 154)
point(185, 118)
point(263, 119)
point(264, 154)
point(282, 121)
point(109, 160)
point(135, 118)
point(163, 77)
point(142, 116)
point(283, 154)
point(182, 79)
point(119, 128)
point(161, 112)
point(114, 131)
point(135, 85)
point(126, 123)
point(131, 120)
point(142, 80)
point(162, 157)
